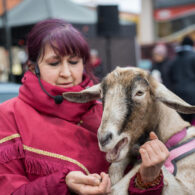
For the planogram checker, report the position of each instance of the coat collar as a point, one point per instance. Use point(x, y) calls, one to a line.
point(31, 93)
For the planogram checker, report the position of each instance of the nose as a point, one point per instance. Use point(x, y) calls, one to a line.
point(65, 70)
point(106, 139)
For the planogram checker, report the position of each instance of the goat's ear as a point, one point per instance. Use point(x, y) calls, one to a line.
point(172, 100)
point(84, 96)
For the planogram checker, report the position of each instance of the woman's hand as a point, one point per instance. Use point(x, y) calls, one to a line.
point(153, 153)
point(92, 184)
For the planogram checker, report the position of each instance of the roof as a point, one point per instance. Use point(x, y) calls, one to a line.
point(32, 11)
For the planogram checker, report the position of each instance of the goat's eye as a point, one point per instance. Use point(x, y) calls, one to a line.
point(139, 93)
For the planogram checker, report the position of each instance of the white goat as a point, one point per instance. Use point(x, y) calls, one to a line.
point(135, 104)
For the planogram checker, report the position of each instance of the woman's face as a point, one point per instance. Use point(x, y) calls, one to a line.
point(158, 58)
point(64, 71)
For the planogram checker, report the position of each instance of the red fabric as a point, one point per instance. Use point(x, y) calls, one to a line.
point(193, 122)
point(52, 184)
point(40, 125)
point(157, 190)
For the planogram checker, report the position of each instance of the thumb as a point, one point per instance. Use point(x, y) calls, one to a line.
point(153, 136)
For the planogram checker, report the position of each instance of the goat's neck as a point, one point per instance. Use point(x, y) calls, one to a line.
point(170, 122)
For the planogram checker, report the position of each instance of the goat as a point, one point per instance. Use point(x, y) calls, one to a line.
point(134, 104)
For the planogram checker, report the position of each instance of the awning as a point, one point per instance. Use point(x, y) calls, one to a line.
point(32, 11)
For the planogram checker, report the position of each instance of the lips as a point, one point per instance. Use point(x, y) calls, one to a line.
point(113, 154)
point(70, 84)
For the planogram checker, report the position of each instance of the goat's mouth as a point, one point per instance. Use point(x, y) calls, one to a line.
point(113, 155)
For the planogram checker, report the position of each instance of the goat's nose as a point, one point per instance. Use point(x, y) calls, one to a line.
point(106, 139)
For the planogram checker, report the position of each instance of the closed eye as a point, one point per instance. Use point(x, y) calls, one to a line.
point(73, 62)
point(54, 63)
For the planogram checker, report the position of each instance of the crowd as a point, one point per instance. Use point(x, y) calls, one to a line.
point(177, 73)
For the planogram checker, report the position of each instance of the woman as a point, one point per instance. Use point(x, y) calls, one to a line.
point(49, 145)
point(160, 63)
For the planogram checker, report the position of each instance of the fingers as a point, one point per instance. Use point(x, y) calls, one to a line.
point(85, 185)
point(164, 149)
point(158, 146)
point(95, 175)
point(149, 153)
point(90, 180)
point(149, 156)
point(153, 136)
point(153, 152)
point(144, 156)
point(155, 146)
point(103, 188)
point(77, 177)
point(106, 183)
point(108, 189)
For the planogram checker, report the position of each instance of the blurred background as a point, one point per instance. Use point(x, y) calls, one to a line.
point(119, 32)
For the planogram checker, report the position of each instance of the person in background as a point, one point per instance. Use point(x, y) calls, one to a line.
point(19, 58)
point(160, 63)
point(182, 73)
point(96, 62)
point(4, 65)
point(49, 145)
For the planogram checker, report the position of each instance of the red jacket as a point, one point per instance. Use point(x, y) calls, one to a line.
point(40, 141)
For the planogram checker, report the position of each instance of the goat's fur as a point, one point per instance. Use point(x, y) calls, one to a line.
point(135, 104)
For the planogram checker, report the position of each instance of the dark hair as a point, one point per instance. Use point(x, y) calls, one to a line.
point(62, 37)
point(187, 41)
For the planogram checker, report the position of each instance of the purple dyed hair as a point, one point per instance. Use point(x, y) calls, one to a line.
point(62, 37)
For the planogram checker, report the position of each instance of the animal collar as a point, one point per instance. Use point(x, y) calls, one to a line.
point(178, 151)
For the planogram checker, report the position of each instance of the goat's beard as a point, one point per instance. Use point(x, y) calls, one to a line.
point(135, 149)
point(134, 154)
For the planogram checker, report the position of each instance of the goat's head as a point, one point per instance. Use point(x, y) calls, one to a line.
point(128, 96)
